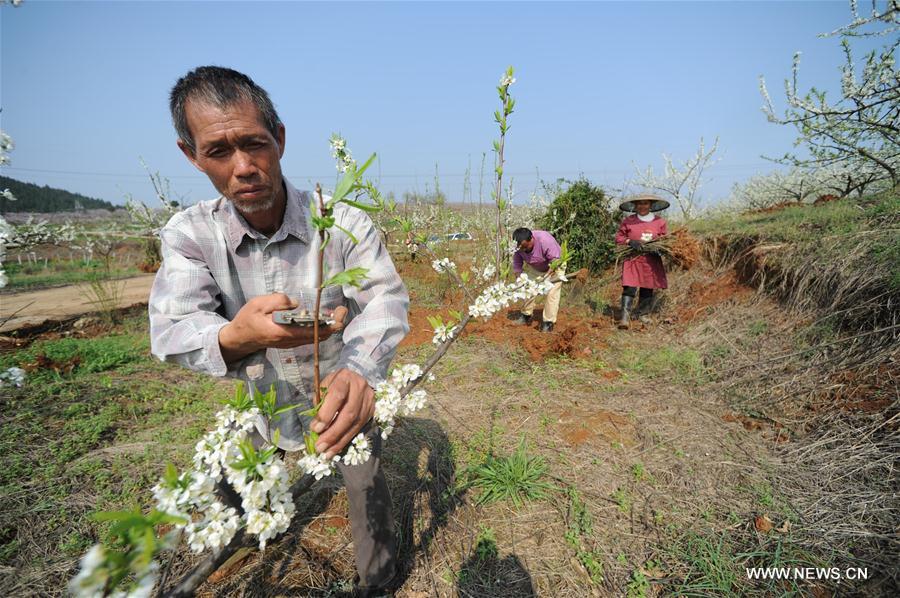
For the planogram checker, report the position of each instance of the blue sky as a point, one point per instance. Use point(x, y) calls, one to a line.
point(601, 86)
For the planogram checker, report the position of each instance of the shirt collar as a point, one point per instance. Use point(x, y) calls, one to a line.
point(294, 223)
point(295, 215)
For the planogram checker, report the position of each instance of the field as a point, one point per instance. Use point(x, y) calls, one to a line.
point(662, 460)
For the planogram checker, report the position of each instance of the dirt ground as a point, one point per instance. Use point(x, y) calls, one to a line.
point(653, 456)
point(19, 310)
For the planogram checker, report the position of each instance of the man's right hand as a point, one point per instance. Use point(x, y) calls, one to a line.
point(252, 329)
point(635, 244)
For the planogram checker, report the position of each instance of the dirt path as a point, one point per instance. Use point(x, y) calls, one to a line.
point(33, 307)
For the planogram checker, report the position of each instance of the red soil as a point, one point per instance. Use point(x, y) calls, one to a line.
point(702, 295)
point(685, 249)
point(581, 426)
point(573, 336)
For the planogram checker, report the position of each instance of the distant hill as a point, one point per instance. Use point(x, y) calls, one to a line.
point(32, 198)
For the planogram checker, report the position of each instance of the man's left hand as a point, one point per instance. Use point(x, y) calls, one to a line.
point(348, 407)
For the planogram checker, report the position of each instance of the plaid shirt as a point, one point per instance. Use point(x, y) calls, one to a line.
point(214, 262)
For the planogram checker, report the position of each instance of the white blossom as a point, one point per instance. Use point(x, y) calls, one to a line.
point(359, 451)
point(506, 80)
point(500, 295)
point(215, 530)
point(443, 332)
point(341, 153)
point(443, 265)
point(6, 146)
point(317, 465)
point(268, 525)
point(88, 582)
point(94, 575)
point(14, 375)
point(487, 272)
point(414, 401)
point(388, 400)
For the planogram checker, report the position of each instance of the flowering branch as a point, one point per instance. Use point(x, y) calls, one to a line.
point(500, 116)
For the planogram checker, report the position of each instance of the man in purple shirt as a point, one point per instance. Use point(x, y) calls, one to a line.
point(537, 249)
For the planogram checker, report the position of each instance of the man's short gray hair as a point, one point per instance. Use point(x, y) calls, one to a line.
point(220, 87)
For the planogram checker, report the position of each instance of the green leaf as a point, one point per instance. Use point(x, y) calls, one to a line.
point(349, 181)
point(312, 411)
point(352, 277)
point(361, 206)
point(435, 321)
point(310, 439)
point(171, 475)
point(286, 408)
point(348, 233)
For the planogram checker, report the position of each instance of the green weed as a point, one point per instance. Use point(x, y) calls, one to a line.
point(486, 545)
point(638, 585)
point(517, 478)
point(711, 565)
point(622, 499)
point(680, 365)
point(579, 535)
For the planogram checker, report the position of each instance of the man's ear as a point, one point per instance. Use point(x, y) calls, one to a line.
point(280, 138)
point(189, 154)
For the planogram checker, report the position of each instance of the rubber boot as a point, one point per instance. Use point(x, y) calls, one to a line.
point(624, 319)
point(646, 306)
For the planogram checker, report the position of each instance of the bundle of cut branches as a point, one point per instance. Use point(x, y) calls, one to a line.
point(678, 249)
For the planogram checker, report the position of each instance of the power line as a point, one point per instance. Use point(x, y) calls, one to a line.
point(600, 171)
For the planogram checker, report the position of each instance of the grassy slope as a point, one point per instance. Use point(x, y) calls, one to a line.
point(91, 435)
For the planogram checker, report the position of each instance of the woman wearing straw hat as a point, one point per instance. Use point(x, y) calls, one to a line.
point(645, 270)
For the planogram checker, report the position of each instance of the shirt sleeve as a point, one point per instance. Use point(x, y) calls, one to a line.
point(552, 250)
point(622, 235)
point(517, 263)
point(372, 337)
point(184, 301)
point(663, 228)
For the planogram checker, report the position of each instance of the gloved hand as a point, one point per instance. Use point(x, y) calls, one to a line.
point(634, 244)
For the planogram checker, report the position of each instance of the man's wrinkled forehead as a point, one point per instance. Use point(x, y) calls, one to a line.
point(195, 109)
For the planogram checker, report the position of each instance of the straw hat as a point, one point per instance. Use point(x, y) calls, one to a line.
point(658, 204)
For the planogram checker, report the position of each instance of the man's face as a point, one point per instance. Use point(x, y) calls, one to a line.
point(237, 152)
point(643, 206)
point(527, 246)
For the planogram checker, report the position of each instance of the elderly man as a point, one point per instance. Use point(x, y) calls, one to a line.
point(229, 263)
point(538, 249)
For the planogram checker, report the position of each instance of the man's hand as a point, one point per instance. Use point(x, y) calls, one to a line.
point(348, 407)
point(635, 244)
point(252, 328)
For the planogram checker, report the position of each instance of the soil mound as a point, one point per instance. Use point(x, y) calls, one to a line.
point(685, 249)
point(703, 295)
point(574, 335)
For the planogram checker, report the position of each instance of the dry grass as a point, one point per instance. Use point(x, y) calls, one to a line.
point(817, 373)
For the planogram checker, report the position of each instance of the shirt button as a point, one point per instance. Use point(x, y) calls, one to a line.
point(289, 360)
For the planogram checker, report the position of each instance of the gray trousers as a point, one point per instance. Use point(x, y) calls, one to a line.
point(371, 517)
point(371, 513)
